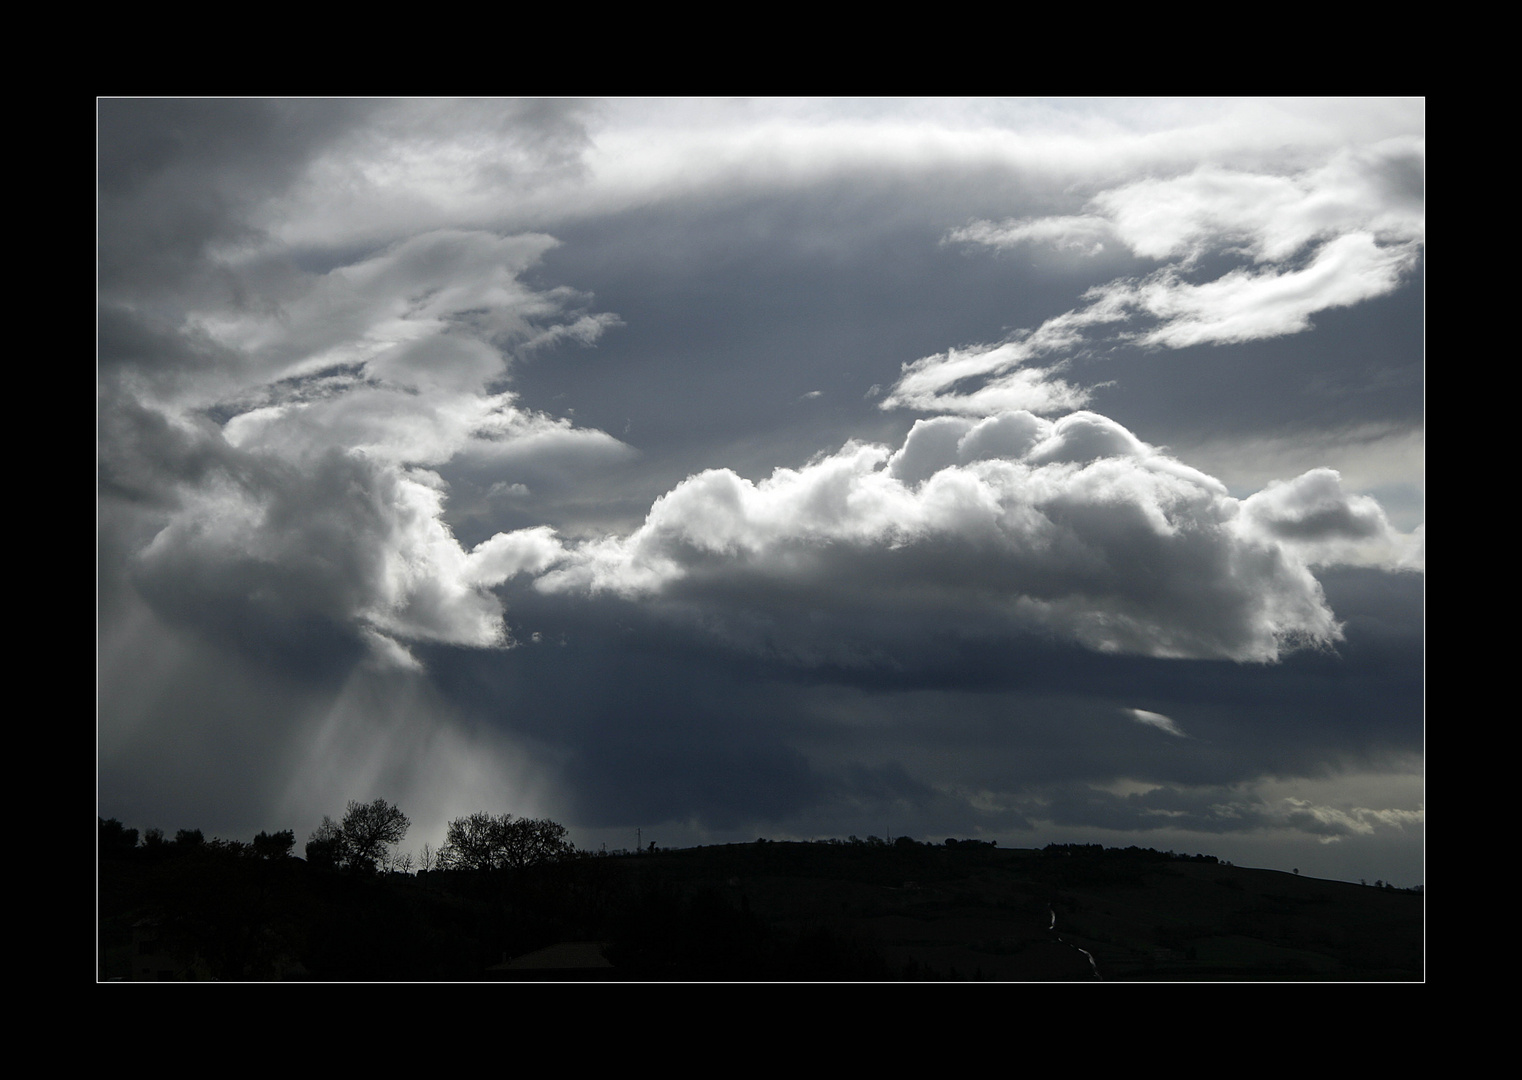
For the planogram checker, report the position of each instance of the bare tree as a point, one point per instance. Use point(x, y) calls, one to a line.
point(483, 842)
point(474, 843)
point(369, 829)
point(362, 840)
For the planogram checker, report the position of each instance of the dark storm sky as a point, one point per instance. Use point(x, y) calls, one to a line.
point(1020, 469)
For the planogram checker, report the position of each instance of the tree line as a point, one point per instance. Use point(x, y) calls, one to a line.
point(362, 840)
point(117, 839)
point(366, 837)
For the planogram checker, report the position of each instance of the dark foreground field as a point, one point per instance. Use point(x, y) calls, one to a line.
point(793, 911)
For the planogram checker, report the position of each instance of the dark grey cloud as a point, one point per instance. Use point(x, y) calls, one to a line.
point(283, 562)
point(177, 175)
point(993, 734)
point(734, 309)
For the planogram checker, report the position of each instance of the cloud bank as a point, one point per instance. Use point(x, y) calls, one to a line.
point(1010, 524)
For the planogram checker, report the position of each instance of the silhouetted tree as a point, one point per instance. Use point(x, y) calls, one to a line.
point(276, 846)
point(325, 846)
point(114, 838)
point(483, 842)
point(362, 838)
point(369, 828)
point(537, 840)
point(473, 843)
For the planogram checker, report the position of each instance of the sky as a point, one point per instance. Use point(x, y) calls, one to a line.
point(697, 470)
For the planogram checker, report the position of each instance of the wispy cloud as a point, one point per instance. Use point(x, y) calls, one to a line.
point(1332, 236)
point(1084, 233)
point(1157, 720)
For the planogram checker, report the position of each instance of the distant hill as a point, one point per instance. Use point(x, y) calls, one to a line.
point(761, 911)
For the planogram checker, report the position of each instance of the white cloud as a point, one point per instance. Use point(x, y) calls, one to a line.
point(1273, 216)
point(1336, 806)
point(1073, 527)
point(933, 383)
point(642, 151)
point(1157, 720)
point(930, 383)
point(362, 312)
point(414, 166)
point(1344, 231)
point(1085, 233)
point(387, 653)
point(1366, 455)
point(1246, 306)
point(320, 506)
point(506, 555)
point(354, 542)
point(1335, 822)
point(1326, 526)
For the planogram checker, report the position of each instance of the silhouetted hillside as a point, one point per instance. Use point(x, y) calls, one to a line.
point(793, 911)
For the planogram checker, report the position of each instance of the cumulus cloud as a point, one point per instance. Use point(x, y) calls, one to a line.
point(1345, 231)
point(1071, 527)
point(1326, 526)
point(316, 501)
point(340, 544)
point(506, 555)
